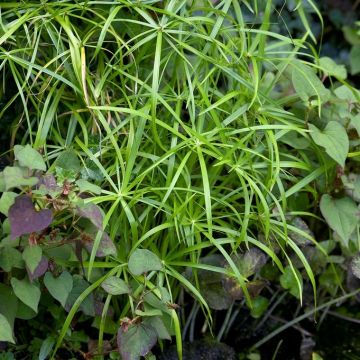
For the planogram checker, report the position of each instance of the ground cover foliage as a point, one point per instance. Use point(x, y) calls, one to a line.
point(171, 166)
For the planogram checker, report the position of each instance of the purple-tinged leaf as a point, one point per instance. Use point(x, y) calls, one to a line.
point(40, 269)
point(106, 246)
point(91, 212)
point(136, 340)
point(48, 182)
point(24, 219)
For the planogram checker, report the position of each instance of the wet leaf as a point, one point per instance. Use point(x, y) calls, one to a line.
point(24, 219)
point(29, 157)
point(115, 286)
point(28, 293)
point(59, 287)
point(142, 261)
point(136, 340)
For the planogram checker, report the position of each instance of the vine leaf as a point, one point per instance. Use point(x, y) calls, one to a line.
point(142, 261)
point(29, 157)
point(340, 214)
point(24, 219)
point(6, 333)
point(334, 139)
point(32, 256)
point(28, 293)
point(40, 270)
point(59, 287)
point(136, 340)
point(115, 286)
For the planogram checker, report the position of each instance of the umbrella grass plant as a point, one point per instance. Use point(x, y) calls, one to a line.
point(189, 125)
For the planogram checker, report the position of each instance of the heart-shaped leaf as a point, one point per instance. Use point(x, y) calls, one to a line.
point(6, 200)
point(59, 287)
point(29, 157)
point(289, 281)
point(115, 286)
point(331, 68)
point(333, 139)
point(6, 333)
point(25, 291)
point(40, 270)
point(136, 340)
point(342, 215)
point(10, 258)
point(79, 286)
point(307, 84)
point(142, 261)
point(32, 257)
point(24, 219)
point(91, 212)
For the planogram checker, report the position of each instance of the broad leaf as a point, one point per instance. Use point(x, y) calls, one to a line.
point(24, 219)
point(46, 348)
point(115, 286)
point(136, 340)
point(334, 139)
point(28, 293)
point(10, 258)
point(59, 287)
point(331, 68)
point(7, 199)
point(142, 261)
point(355, 60)
point(307, 84)
point(342, 215)
point(15, 177)
point(288, 281)
point(91, 212)
point(259, 306)
point(6, 333)
point(86, 186)
point(32, 257)
point(157, 323)
point(29, 157)
point(79, 286)
point(8, 303)
point(40, 269)
point(68, 160)
point(355, 266)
